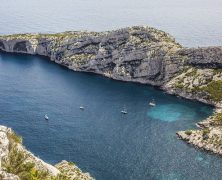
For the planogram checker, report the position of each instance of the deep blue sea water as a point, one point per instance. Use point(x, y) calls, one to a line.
point(101, 140)
point(191, 22)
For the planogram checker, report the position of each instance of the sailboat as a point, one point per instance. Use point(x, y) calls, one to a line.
point(152, 103)
point(124, 111)
point(81, 107)
point(46, 117)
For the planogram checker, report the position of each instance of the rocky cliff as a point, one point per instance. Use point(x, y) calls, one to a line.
point(138, 54)
point(16, 162)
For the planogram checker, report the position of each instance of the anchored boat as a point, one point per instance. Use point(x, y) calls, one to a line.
point(152, 103)
point(46, 117)
point(124, 111)
point(81, 107)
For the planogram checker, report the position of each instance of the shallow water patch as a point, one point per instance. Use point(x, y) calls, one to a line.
point(171, 112)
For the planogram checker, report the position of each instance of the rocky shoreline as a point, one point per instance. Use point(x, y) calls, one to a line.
point(209, 135)
point(18, 163)
point(139, 54)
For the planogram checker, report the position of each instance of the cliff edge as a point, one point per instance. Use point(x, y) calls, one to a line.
point(16, 162)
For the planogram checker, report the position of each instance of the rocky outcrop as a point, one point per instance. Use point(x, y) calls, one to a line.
point(8, 138)
point(18, 163)
point(2, 46)
point(8, 176)
point(209, 134)
point(72, 171)
point(208, 57)
point(197, 83)
point(138, 54)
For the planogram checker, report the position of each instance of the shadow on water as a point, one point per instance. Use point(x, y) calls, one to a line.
point(101, 140)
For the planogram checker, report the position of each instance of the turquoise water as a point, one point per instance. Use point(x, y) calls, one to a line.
point(172, 112)
point(101, 140)
point(191, 22)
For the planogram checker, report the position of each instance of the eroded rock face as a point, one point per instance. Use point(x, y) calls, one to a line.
point(8, 176)
point(20, 47)
point(2, 46)
point(208, 57)
point(139, 54)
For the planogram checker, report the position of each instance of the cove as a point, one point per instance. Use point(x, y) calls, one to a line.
point(100, 140)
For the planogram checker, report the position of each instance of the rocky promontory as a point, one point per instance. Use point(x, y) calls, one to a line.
point(139, 54)
point(16, 162)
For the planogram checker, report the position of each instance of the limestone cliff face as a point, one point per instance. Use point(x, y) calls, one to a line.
point(139, 54)
point(208, 57)
point(201, 77)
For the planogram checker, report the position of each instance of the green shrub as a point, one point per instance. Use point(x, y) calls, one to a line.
point(71, 163)
point(214, 90)
point(13, 137)
point(17, 164)
point(192, 73)
point(217, 71)
point(188, 132)
point(60, 177)
point(179, 85)
point(218, 117)
point(206, 131)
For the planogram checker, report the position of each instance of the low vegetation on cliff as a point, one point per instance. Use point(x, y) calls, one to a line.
point(202, 83)
point(19, 164)
point(213, 89)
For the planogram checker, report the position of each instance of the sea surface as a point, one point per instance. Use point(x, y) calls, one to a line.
point(100, 140)
point(191, 22)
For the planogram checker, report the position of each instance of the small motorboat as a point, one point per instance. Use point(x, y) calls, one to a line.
point(152, 103)
point(124, 111)
point(81, 107)
point(46, 117)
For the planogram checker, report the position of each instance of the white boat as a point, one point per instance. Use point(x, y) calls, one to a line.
point(124, 112)
point(46, 117)
point(152, 103)
point(81, 107)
